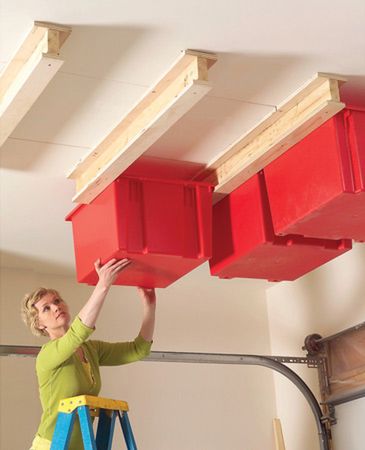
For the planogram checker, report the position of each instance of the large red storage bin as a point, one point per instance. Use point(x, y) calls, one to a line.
point(317, 188)
point(245, 246)
point(164, 227)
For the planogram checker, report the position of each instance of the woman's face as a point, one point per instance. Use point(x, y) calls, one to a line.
point(53, 314)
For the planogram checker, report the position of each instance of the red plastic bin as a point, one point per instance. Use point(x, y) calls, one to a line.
point(164, 227)
point(317, 188)
point(245, 246)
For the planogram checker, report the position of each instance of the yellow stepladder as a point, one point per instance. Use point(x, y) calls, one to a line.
point(86, 405)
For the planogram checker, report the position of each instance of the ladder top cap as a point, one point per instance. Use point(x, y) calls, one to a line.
point(68, 405)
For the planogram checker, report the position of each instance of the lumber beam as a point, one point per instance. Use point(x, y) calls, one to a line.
point(278, 434)
point(304, 111)
point(28, 73)
point(184, 84)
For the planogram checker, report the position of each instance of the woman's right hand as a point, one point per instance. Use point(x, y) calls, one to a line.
point(109, 271)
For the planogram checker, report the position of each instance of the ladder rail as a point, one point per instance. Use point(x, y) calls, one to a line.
point(86, 428)
point(105, 431)
point(127, 430)
point(64, 425)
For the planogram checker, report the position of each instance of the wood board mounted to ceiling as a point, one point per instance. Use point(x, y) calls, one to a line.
point(28, 73)
point(304, 111)
point(37, 61)
point(184, 84)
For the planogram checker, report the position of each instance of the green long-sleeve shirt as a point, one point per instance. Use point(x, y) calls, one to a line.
point(61, 373)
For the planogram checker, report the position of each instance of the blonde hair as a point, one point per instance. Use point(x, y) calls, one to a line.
point(29, 312)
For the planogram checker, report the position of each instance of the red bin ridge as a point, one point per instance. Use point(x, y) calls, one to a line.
point(164, 227)
point(317, 188)
point(245, 246)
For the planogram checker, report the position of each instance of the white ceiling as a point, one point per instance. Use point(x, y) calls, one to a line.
point(117, 50)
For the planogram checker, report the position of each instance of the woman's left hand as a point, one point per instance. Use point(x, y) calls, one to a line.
point(148, 295)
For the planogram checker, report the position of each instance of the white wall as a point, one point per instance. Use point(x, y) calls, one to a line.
point(173, 406)
point(325, 301)
point(349, 431)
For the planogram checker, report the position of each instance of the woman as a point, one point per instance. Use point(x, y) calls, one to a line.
point(68, 365)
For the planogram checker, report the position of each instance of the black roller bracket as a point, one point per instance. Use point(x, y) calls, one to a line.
point(313, 344)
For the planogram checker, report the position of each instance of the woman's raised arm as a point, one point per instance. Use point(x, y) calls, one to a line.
point(107, 275)
point(148, 297)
